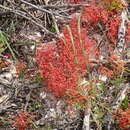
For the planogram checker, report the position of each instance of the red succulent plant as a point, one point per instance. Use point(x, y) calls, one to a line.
point(64, 64)
point(23, 121)
point(123, 118)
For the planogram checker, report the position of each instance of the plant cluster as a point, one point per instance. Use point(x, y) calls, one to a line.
point(67, 63)
point(113, 68)
point(23, 121)
point(123, 118)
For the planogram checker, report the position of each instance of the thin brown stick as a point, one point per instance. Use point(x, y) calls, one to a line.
point(44, 10)
point(20, 13)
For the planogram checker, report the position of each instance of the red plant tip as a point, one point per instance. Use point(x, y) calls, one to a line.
point(123, 119)
point(23, 121)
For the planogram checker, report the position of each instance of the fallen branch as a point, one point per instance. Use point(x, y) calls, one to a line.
point(44, 10)
point(121, 35)
point(22, 14)
point(63, 6)
point(86, 121)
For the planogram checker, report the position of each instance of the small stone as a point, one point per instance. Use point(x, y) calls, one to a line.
point(53, 113)
point(43, 95)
